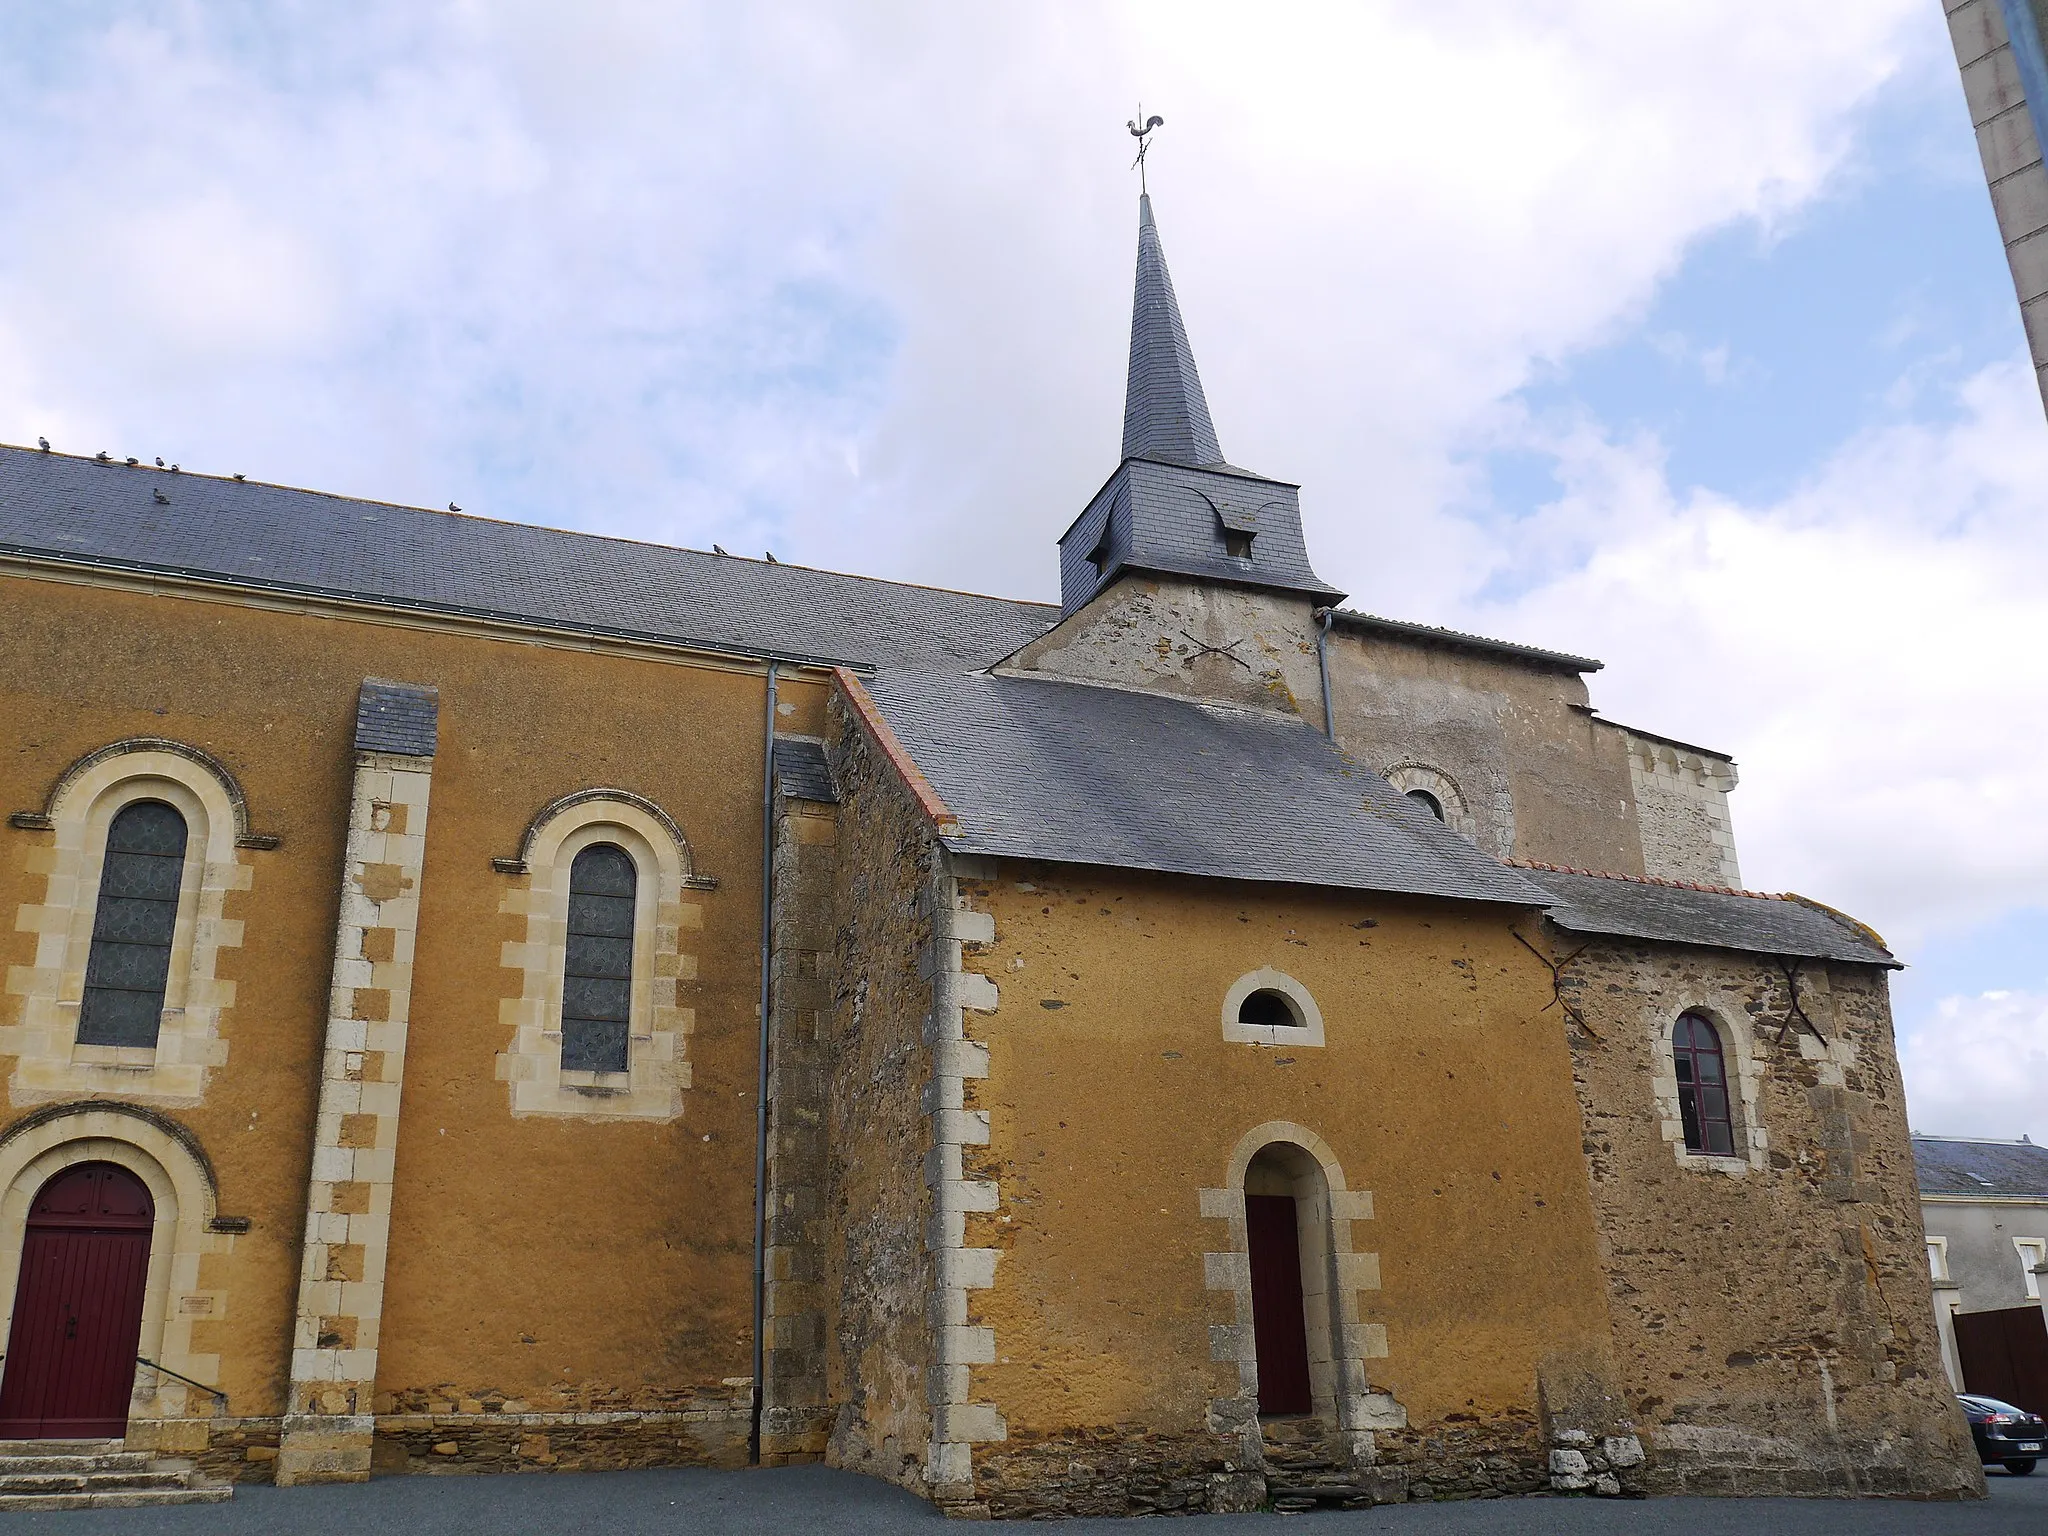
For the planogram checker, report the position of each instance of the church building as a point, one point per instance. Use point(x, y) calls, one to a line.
point(484, 998)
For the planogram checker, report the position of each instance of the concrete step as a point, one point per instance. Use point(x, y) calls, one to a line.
point(117, 1498)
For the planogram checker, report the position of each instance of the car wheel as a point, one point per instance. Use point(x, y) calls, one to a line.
point(2020, 1468)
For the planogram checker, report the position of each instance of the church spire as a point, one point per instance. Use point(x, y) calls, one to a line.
point(1166, 416)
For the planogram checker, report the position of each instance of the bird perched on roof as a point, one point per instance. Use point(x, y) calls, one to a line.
point(43, 443)
point(453, 508)
point(159, 461)
point(157, 495)
point(718, 549)
point(101, 455)
point(174, 469)
point(769, 555)
point(240, 476)
point(133, 461)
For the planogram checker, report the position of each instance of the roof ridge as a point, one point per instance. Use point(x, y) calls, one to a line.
point(1676, 885)
point(506, 522)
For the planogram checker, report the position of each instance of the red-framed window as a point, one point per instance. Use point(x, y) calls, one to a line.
point(1702, 1086)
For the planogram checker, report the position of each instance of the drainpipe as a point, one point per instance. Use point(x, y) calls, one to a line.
point(761, 1074)
point(1323, 666)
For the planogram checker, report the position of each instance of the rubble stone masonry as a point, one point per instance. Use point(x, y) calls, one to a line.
point(1773, 1323)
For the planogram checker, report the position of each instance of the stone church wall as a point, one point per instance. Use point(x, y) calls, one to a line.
point(1772, 1311)
point(879, 1271)
point(1536, 775)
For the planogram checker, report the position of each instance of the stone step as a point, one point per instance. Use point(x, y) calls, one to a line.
point(116, 1498)
point(60, 1448)
point(111, 1461)
point(96, 1480)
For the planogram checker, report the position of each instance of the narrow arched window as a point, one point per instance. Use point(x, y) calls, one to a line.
point(1702, 1087)
point(597, 973)
point(1428, 802)
point(130, 960)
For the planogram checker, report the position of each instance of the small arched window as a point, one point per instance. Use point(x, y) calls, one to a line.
point(1269, 1008)
point(1428, 802)
point(130, 960)
point(1702, 1087)
point(597, 972)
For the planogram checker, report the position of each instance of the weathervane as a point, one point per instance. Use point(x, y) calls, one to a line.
point(1143, 136)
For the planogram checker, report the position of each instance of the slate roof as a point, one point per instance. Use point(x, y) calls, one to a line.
point(1166, 415)
point(1045, 769)
point(275, 537)
point(1983, 1168)
point(397, 717)
point(1620, 907)
point(801, 771)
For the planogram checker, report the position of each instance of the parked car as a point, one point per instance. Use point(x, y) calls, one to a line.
point(2008, 1436)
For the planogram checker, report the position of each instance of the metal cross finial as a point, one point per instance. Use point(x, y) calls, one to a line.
point(1143, 136)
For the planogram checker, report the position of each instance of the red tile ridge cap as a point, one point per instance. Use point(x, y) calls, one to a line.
point(871, 717)
point(1676, 885)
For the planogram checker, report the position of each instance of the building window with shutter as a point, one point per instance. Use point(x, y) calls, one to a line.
point(597, 971)
point(129, 963)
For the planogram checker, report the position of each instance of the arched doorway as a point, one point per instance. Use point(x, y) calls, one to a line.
point(1286, 1209)
point(70, 1365)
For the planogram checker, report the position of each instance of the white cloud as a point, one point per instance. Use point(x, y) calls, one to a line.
point(855, 281)
point(1980, 1067)
point(1867, 647)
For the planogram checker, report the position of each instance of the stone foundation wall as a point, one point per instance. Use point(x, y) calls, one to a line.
point(1772, 1312)
point(714, 1435)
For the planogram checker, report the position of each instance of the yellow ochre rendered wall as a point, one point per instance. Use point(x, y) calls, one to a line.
point(544, 1263)
point(1444, 1089)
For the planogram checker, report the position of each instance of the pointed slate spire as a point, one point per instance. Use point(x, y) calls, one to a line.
point(1166, 416)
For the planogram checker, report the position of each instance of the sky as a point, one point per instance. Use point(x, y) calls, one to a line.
point(1677, 334)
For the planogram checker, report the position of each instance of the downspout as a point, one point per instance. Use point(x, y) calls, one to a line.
point(761, 1074)
point(1323, 666)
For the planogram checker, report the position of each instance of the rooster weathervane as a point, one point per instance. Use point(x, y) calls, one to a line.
point(1141, 128)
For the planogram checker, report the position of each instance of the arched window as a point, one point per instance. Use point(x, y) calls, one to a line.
point(1702, 1087)
point(1269, 1008)
point(130, 959)
point(1428, 802)
point(597, 973)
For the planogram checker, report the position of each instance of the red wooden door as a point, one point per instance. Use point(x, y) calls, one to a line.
point(1279, 1323)
point(77, 1307)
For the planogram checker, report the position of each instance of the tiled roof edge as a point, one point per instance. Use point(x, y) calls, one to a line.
point(1412, 631)
point(1862, 928)
point(913, 777)
point(1687, 885)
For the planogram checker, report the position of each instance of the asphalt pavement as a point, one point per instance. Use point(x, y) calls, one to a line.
point(817, 1501)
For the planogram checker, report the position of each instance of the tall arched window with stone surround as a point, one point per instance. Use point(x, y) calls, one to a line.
point(129, 964)
point(597, 968)
point(1702, 1072)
